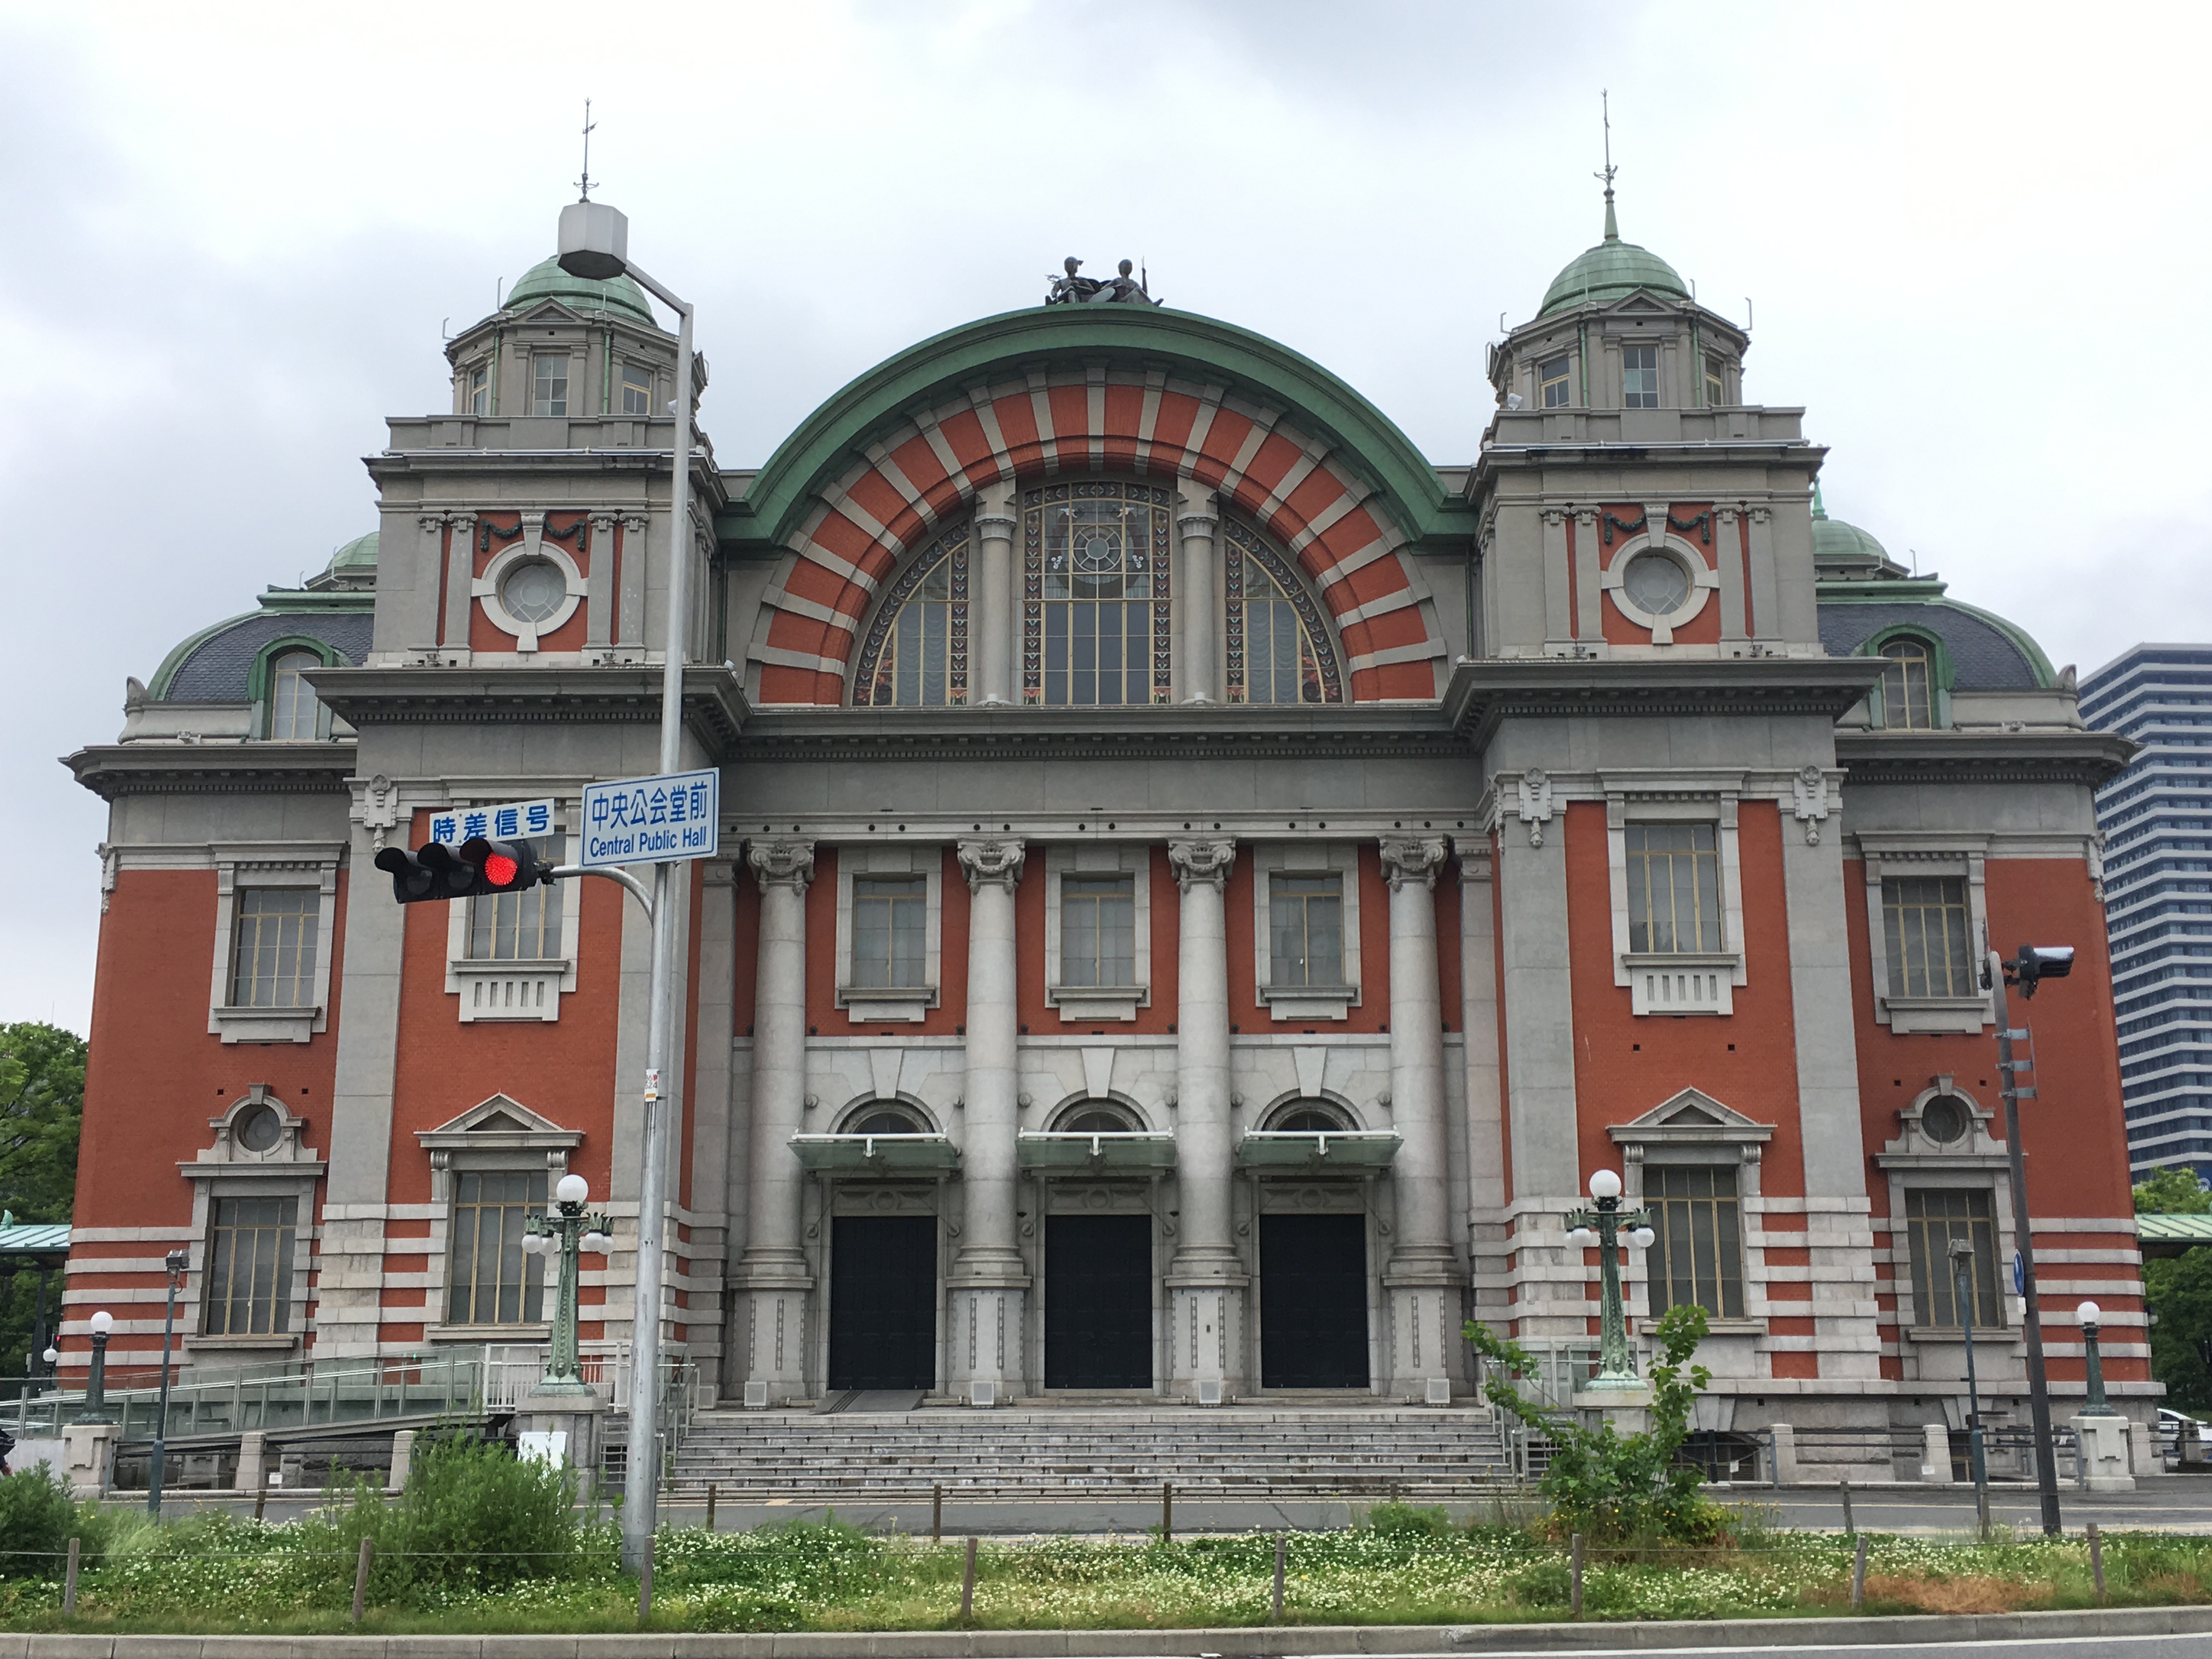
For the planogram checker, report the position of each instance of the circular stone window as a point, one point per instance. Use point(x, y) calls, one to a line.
point(1945, 1119)
point(258, 1129)
point(1656, 584)
point(533, 591)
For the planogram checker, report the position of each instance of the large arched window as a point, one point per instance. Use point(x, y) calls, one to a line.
point(1908, 691)
point(294, 710)
point(1096, 616)
point(1275, 648)
point(916, 654)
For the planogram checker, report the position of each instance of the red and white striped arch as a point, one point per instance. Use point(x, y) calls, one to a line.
point(923, 476)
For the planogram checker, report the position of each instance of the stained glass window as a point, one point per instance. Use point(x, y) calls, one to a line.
point(1275, 648)
point(915, 654)
point(1097, 612)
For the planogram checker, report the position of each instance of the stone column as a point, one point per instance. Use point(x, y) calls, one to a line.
point(773, 1270)
point(1207, 1280)
point(989, 1300)
point(995, 626)
point(1423, 1275)
point(1198, 522)
point(460, 574)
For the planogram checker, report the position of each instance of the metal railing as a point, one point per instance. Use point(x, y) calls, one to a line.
point(292, 1397)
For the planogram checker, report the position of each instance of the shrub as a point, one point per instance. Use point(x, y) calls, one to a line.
point(1405, 1521)
point(38, 1517)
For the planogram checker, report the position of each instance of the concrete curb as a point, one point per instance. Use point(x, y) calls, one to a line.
point(1288, 1643)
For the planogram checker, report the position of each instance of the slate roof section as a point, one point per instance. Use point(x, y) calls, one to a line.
point(216, 669)
point(1982, 656)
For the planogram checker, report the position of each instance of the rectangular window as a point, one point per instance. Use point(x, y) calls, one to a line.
point(636, 389)
point(494, 1282)
point(1552, 383)
point(249, 1266)
point(523, 926)
point(1697, 1257)
point(1674, 889)
point(1639, 377)
point(272, 952)
point(1305, 930)
point(1716, 384)
point(1925, 925)
point(480, 390)
point(889, 937)
point(1098, 930)
point(1935, 1216)
point(548, 383)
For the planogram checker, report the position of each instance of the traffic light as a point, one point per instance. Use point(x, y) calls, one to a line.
point(437, 872)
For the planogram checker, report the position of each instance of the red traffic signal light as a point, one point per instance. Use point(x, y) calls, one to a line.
point(439, 872)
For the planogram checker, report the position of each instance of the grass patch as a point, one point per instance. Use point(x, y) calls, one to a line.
point(1405, 1565)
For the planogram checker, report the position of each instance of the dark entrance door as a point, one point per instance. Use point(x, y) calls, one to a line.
point(883, 1302)
point(1098, 1302)
point(1313, 1301)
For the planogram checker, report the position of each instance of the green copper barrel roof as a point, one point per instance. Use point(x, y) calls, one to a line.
point(1611, 270)
point(547, 281)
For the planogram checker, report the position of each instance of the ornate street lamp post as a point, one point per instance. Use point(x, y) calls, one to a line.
point(1962, 1289)
point(2089, 1313)
point(95, 1386)
point(1602, 1226)
point(566, 1233)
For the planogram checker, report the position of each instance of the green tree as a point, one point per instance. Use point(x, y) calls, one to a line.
point(2179, 1290)
point(2174, 1192)
point(41, 1110)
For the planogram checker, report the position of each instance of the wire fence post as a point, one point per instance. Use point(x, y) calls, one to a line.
point(1282, 1549)
point(2096, 1558)
point(1858, 1576)
point(968, 1585)
point(1575, 1589)
point(360, 1579)
point(711, 1495)
point(260, 1499)
point(936, 1513)
point(645, 1588)
point(1167, 1511)
point(1851, 1528)
point(69, 1582)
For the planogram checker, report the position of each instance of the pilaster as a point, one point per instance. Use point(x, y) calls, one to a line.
point(1207, 1278)
point(989, 1281)
point(773, 1270)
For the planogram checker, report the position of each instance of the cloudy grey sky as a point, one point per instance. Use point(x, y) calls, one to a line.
point(1974, 238)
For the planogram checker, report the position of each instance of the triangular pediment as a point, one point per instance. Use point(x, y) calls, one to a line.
point(1692, 1115)
point(552, 311)
point(501, 1121)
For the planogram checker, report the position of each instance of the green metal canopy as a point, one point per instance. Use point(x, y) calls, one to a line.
point(875, 1154)
point(1120, 1149)
point(2170, 1235)
point(1317, 1150)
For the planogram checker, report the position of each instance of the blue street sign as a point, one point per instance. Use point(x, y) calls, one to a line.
point(520, 820)
point(2019, 1275)
point(658, 820)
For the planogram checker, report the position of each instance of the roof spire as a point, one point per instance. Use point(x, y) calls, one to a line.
point(1819, 511)
point(584, 184)
point(1612, 225)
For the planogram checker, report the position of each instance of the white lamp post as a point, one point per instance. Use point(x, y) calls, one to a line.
point(1603, 1225)
point(594, 244)
point(2091, 1316)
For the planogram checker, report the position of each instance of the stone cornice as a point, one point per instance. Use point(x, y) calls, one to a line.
point(1183, 732)
point(2087, 759)
point(112, 770)
point(618, 694)
point(1482, 694)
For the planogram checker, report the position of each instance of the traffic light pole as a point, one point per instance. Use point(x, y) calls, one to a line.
point(641, 1469)
point(2038, 1387)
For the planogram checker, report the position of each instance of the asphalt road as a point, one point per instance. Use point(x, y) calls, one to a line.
point(2124, 1647)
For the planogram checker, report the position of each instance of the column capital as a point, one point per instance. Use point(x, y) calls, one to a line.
point(998, 863)
point(992, 527)
point(1414, 857)
point(782, 863)
point(1205, 861)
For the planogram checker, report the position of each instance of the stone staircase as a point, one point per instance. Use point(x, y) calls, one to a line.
point(1113, 1452)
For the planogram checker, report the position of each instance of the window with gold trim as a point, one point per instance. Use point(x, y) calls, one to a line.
point(1907, 686)
point(915, 654)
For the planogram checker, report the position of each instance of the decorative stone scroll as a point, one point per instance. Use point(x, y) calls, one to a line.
point(1808, 792)
point(1201, 862)
point(994, 862)
point(1414, 857)
point(781, 864)
point(1534, 788)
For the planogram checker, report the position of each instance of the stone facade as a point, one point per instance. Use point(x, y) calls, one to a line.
point(1202, 888)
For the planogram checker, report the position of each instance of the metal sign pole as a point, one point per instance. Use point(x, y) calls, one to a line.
point(2038, 1390)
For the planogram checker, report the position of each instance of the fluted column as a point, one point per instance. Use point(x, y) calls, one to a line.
point(993, 632)
point(1423, 1275)
point(773, 1270)
point(989, 1285)
point(1206, 1279)
point(1198, 522)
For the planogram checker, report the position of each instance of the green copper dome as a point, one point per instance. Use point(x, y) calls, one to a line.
point(1611, 270)
point(359, 554)
point(547, 281)
point(1838, 547)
